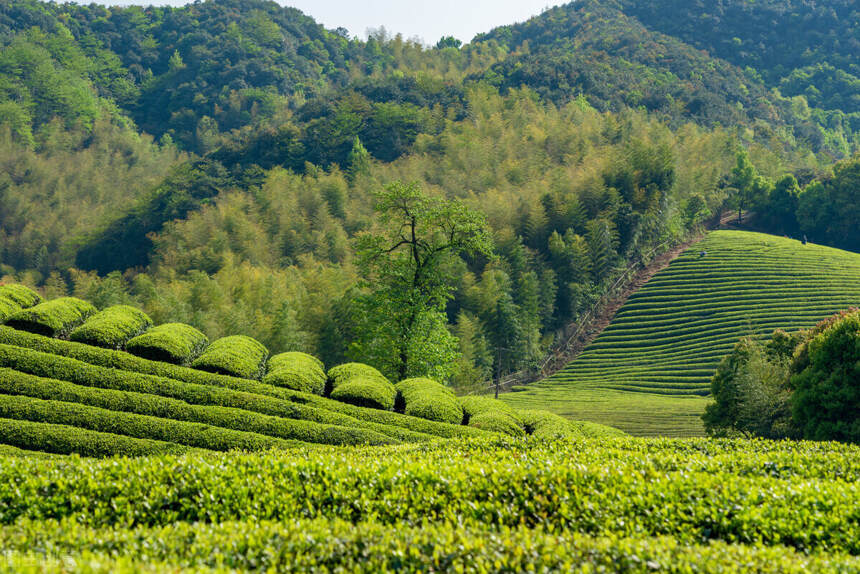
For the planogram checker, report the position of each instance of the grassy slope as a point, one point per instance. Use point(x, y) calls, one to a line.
point(648, 373)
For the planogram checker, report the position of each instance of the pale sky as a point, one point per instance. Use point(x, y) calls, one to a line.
point(428, 20)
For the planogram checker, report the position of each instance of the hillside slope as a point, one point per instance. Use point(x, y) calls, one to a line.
point(648, 373)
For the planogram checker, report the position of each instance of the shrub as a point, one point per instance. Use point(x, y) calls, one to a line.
point(369, 392)
point(297, 371)
point(8, 308)
point(20, 294)
point(170, 342)
point(17, 383)
point(474, 405)
point(61, 439)
point(14, 297)
point(497, 421)
point(137, 426)
point(544, 424)
point(427, 399)
point(346, 371)
point(112, 327)
point(53, 318)
point(826, 381)
point(491, 414)
point(56, 358)
point(237, 355)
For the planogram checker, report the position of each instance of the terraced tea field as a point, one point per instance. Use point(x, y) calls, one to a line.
point(75, 380)
point(648, 373)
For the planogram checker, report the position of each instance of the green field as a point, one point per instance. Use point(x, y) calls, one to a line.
point(648, 373)
point(503, 504)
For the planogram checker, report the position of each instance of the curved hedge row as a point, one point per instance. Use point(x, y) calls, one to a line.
point(169, 342)
point(17, 383)
point(427, 399)
point(210, 389)
point(361, 385)
point(133, 425)
point(339, 545)
point(297, 371)
point(112, 327)
point(802, 495)
point(62, 439)
point(236, 355)
point(53, 318)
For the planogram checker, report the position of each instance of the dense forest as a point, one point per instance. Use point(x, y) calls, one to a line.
point(221, 164)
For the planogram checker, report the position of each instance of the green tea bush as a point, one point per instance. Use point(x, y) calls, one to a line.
point(544, 424)
point(427, 399)
point(61, 439)
point(54, 318)
point(133, 425)
point(763, 493)
point(297, 371)
point(346, 371)
point(361, 385)
point(497, 421)
point(20, 294)
point(17, 383)
point(169, 342)
point(236, 355)
point(491, 415)
point(7, 308)
point(67, 360)
point(112, 327)
point(340, 545)
point(369, 392)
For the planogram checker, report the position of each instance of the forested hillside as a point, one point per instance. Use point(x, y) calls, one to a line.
point(219, 164)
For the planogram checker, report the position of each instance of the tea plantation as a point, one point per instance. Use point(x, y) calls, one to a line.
point(471, 505)
point(74, 380)
point(648, 373)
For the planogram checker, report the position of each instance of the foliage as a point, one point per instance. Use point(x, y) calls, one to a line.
point(112, 327)
point(497, 421)
point(297, 371)
point(680, 487)
point(404, 265)
point(56, 317)
point(171, 342)
point(427, 399)
point(62, 439)
point(750, 391)
point(20, 294)
point(85, 365)
point(825, 380)
point(369, 392)
point(20, 384)
point(236, 355)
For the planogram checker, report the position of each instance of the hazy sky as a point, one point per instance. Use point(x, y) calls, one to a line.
point(428, 20)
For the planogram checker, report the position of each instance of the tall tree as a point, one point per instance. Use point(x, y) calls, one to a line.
point(404, 267)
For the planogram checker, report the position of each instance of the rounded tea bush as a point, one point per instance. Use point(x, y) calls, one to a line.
point(176, 343)
point(497, 422)
point(369, 392)
point(296, 371)
point(237, 355)
point(428, 399)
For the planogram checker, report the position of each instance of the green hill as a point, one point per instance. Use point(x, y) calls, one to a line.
point(648, 373)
